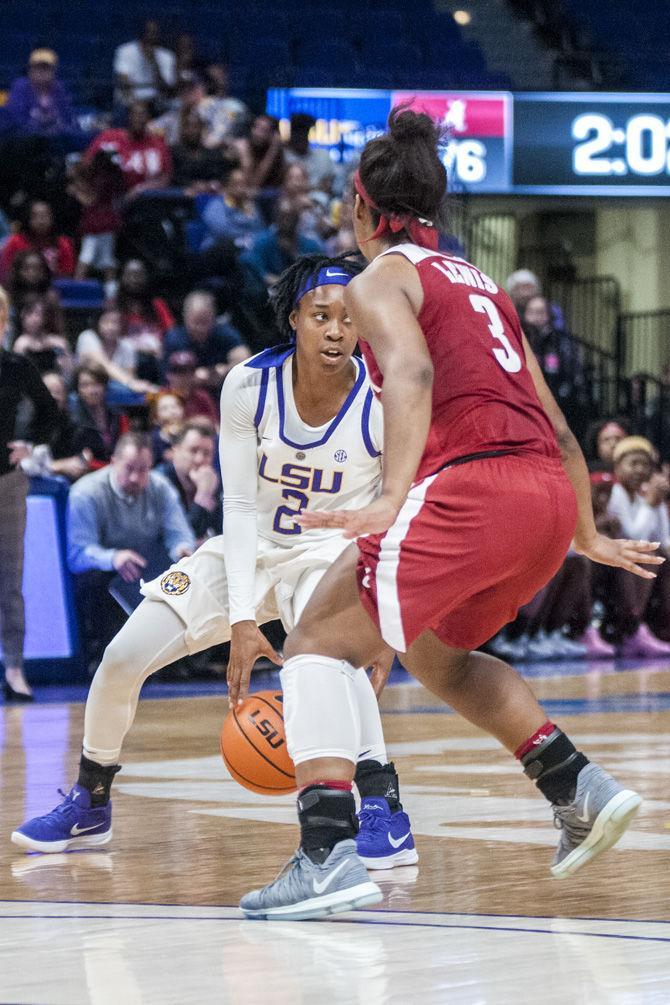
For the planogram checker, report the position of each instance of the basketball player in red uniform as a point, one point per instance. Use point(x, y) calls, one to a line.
point(484, 488)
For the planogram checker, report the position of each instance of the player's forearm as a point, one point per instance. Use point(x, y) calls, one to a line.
point(407, 393)
point(576, 470)
point(240, 544)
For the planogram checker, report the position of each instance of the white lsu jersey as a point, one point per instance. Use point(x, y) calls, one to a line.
point(301, 467)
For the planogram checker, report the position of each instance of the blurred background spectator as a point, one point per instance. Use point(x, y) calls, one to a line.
point(39, 104)
point(316, 161)
point(216, 345)
point(233, 214)
point(122, 519)
point(224, 116)
point(599, 443)
point(38, 233)
point(522, 286)
point(262, 159)
point(191, 471)
point(181, 379)
point(559, 357)
point(30, 276)
point(166, 419)
point(91, 414)
point(145, 70)
point(44, 348)
point(280, 245)
point(105, 346)
point(98, 184)
point(145, 319)
point(188, 98)
point(638, 610)
point(198, 168)
point(18, 381)
point(143, 156)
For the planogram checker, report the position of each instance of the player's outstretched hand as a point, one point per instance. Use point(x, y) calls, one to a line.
point(247, 644)
point(623, 554)
point(381, 668)
point(373, 519)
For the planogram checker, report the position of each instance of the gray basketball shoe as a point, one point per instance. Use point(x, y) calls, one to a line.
point(594, 821)
point(304, 889)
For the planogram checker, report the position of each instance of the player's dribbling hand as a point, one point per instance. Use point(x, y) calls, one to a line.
point(624, 554)
point(247, 644)
point(373, 519)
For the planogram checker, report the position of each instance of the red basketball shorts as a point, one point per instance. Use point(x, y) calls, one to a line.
point(469, 547)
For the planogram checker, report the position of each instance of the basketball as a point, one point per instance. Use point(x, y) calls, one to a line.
point(253, 745)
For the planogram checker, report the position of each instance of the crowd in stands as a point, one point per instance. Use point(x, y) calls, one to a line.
point(175, 218)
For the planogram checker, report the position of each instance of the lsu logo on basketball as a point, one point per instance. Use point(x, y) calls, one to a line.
point(175, 583)
point(267, 730)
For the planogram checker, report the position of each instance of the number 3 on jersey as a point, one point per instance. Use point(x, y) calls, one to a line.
point(508, 357)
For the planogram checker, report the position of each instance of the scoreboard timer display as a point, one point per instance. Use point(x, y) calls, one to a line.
point(598, 144)
point(547, 143)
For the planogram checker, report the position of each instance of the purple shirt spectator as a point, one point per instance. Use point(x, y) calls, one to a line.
point(39, 104)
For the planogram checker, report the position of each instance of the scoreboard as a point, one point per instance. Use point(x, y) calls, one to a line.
point(545, 143)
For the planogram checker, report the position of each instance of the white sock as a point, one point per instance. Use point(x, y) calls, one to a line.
point(321, 711)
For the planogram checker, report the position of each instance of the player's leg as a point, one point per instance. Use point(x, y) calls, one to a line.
point(590, 806)
point(334, 637)
point(152, 638)
point(384, 838)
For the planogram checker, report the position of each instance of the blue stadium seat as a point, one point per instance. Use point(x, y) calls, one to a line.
point(80, 294)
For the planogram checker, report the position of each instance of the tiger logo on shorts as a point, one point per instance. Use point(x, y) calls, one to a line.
point(175, 583)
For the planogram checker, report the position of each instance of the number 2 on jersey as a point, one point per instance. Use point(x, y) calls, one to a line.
point(508, 357)
point(290, 513)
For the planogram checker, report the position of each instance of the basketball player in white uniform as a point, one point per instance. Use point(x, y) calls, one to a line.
point(300, 428)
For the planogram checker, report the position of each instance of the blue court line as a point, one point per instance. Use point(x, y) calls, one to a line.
point(378, 910)
point(347, 921)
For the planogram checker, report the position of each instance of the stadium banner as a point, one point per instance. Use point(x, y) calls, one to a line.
point(545, 143)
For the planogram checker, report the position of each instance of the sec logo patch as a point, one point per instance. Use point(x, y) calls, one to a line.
point(340, 456)
point(175, 583)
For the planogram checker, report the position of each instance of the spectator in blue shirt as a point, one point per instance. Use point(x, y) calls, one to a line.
point(232, 214)
point(280, 245)
point(217, 346)
point(121, 519)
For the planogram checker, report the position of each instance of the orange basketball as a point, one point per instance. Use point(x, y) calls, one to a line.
point(253, 745)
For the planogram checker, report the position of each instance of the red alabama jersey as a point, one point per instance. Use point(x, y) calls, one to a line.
point(483, 394)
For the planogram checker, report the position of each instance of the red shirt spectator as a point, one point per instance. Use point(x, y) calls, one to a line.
point(145, 318)
point(38, 234)
point(143, 157)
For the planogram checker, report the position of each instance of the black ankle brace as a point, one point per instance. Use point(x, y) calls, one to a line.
point(97, 778)
point(375, 779)
point(554, 767)
point(326, 817)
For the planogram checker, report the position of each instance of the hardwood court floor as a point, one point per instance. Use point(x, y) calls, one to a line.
point(153, 918)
